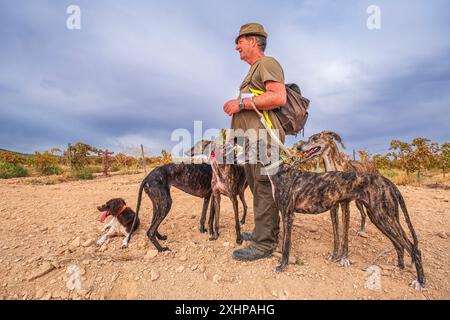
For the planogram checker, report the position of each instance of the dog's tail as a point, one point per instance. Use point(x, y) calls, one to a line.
point(141, 188)
point(408, 222)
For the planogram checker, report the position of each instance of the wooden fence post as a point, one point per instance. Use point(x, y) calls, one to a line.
point(143, 159)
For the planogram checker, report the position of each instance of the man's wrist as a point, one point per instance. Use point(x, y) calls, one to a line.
point(241, 104)
point(248, 103)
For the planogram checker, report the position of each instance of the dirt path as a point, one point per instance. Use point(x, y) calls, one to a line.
point(47, 235)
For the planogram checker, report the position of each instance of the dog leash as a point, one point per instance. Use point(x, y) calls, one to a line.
point(271, 133)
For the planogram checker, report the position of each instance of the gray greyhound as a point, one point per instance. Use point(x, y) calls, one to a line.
point(194, 179)
point(313, 193)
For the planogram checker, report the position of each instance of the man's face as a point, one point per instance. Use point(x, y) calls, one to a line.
point(244, 46)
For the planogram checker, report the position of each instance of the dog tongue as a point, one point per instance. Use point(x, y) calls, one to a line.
point(103, 216)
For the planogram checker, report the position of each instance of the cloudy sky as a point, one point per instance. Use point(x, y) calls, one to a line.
point(138, 70)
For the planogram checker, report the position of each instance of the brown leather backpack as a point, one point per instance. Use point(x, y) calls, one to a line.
point(294, 114)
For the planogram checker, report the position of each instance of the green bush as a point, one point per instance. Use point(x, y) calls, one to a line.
point(9, 170)
point(83, 174)
point(51, 170)
point(114, 167)
point(46, 163)
point(95, 169)
point(389, 173)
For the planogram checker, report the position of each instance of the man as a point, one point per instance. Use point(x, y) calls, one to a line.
point(265, 80)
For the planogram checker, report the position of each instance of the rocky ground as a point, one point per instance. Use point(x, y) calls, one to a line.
point(48, 234)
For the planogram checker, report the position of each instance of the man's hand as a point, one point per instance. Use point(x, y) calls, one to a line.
point(231, 107)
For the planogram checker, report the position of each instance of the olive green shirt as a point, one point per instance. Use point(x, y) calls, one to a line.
point(263, 70)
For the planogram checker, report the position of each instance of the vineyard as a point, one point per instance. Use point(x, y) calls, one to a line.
point(421, 161)
point(78, 162)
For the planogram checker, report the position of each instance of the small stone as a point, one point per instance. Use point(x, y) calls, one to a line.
point(89, 250)
point(154, 275)
point(194, 267)
point(216, 278)
point(226, 244)
point(43, 270)
point(76, 242)
point(292, 259)
point(39, 294)
point(86, 262)
point(283, 295)
point(182, 257)
point(202, 268)
point(180, 269)
point(136, 278)
point(47, 296)
point(88, 243)
point(442, 235)
point(151, 254)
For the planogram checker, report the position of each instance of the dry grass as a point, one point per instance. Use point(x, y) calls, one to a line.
point(433, 177)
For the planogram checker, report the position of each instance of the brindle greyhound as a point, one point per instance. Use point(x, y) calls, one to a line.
point(228, 180)
point(323, 145)
point(313, 193)
point(194, 179)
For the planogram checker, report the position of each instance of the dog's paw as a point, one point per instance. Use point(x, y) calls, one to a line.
point(242, 221)
point(124, 246)
point(203, 230)
point(333, 257)
point(344, 262)
point(280, 268)
point(362, 234)
point(417, 285)
point(99, 243)
point(239, 241)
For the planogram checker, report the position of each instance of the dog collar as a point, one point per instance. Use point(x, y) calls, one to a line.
point(121, 210)
point(214, 155)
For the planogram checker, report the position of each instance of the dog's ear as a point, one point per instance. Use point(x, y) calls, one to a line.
point(335, 136)
point(205, 143)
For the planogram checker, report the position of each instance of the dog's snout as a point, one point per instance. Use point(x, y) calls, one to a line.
point(102, 208)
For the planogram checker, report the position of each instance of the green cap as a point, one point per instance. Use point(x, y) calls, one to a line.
point(252, 28)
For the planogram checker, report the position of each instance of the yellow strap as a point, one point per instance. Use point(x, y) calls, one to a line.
point(266, 114)
point(256, 92)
